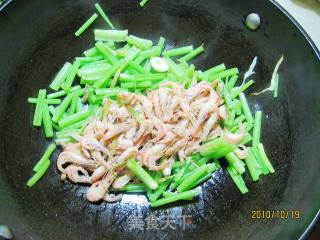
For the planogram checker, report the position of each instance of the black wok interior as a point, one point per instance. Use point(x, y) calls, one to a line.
point(37, 37)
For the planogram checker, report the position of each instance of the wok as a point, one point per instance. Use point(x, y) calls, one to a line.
point(37, 37)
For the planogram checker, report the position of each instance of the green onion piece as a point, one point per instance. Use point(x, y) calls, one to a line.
point(60, 77)
point(47, 101)
point(141, 43)
point(77, 117)
point(276, 86)
point(107, 53)
point(236, 91)
point(224, 74)
point(265, 158)
point(217, 148)
point(52, 109)
point(245, 108)
point(71, 76)
point(143, 2)
point(61, 109)
point(176, 197)
point(63, 92)
point(47, 124)
point(235, 162)
point(253, 166)
point(104, 15)
point(232, 82)
point(37, 119)
point(51, 148)
point(60, 141)
point(193, 177)
point(86, 25)
point(238, 180)
point(178, 51)
point(36, 177)
point(131, 188)
point(161, 43)
point(192, 54)
point(257, 128)
point(142, 174)
point(247, 139)
point(111, 35)
point(216, 69)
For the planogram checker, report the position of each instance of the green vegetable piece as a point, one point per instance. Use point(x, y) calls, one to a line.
point(238, 180)
point(47, 124)
point(77, 117)
point(141, 43)
point(61, 109)
point(192, 54)
point(37, 119)
point(71, 76)
point(60, 77)
point(257, 128)
point(145, 177)
point(50, 149)
point(235, 162)
point(178, 51)
point(143, 3)
point(86, 25)
point(111, 35)
point(104, 15)
point(36, 177)
point(176, 197)
point(47, 101)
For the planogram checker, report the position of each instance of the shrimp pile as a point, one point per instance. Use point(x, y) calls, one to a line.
point(153, 129)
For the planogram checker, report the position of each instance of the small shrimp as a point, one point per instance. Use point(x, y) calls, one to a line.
point(169, 137)
point(115, 130)
point(98, 190)
point(147, 106)
point(176, 147)
point(235, 138)
point(124, 143)
point(92, 144)
point(161, 130)
point(145, 129)
point(97, 156)
point(122, 181)
point(203, 114)
point(75, 159)
point(167, 171)
point(98, 174)
point(77, 174)
point(241, 152)
point(154, 97)
point(223, 113)
point(208, 126)
point(129, 153)
point(112, 198)
point(150, 157)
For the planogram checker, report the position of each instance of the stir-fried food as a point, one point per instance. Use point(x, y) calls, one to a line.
point(155, 129)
